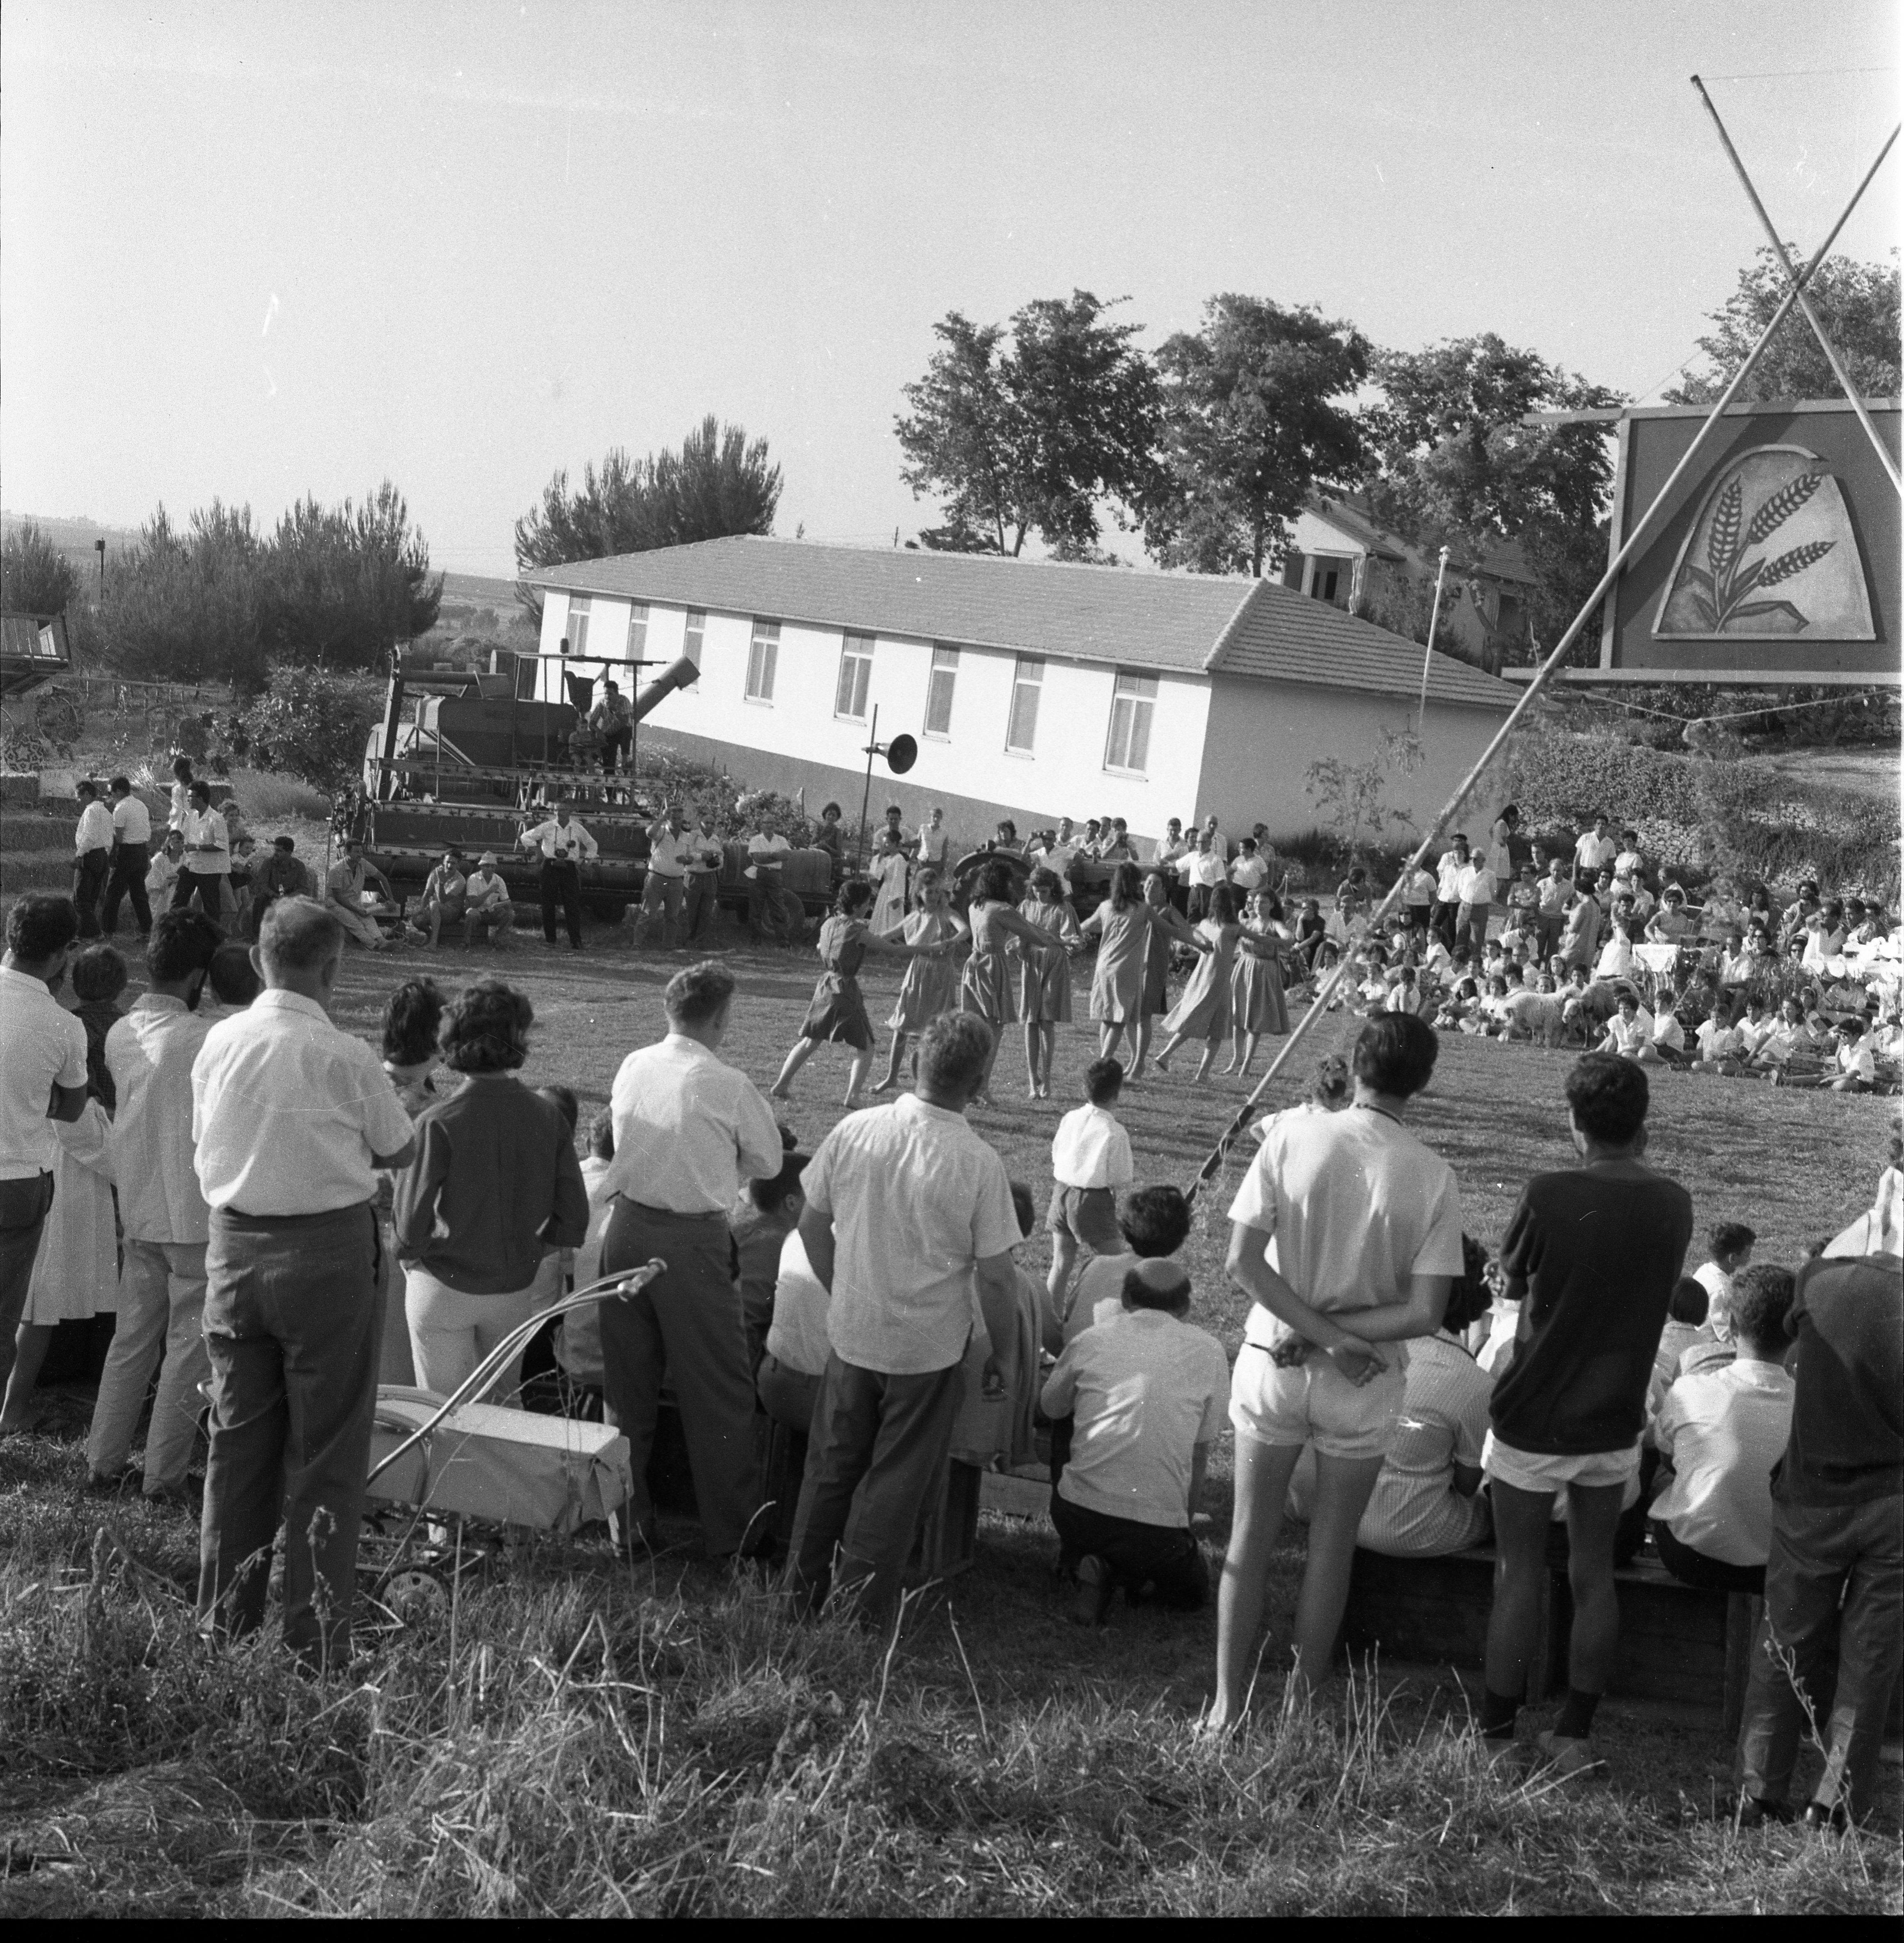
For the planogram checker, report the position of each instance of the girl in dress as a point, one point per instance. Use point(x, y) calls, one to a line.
point(931, 985)
point(888, 876)
point(1256, 1001)
point(1129, 974)
point(1044, 983)
point(1202, 1012)
point(838, 1010)
point(985, 986)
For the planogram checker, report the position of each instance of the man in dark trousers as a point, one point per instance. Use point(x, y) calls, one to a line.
point(562, 843)
point(132, 843)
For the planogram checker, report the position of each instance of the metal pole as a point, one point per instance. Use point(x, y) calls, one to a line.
point(1428, 653)
point(1843, 376)
point(865, 797)
point(1219, 1153)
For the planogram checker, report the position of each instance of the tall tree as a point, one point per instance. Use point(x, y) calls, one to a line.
point(1858, 303)
point(1453, 464)
point(1252, 426)
point(36, 577)
point(1032, 437)
point(183, 605)
point(718, 483)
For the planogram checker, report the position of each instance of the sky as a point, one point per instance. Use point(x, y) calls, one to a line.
point(256, 251)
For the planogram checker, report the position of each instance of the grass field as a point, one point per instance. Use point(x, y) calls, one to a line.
point(578, 1738)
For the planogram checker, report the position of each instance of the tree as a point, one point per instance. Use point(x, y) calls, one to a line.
point(1858, 304)
point(36, 577)
point(1453, 464)
point(718, 483)
point(1250, 430)
point(1031, 437)
point(184, 606)
point(308, 723)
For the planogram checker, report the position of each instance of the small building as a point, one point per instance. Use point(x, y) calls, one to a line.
point(1339, 554)
point(1035, 690)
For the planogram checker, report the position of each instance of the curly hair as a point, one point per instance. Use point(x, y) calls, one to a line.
point(854, 894)
point(98, 972)
point(1609, 1096)
point(412, 1015)
point(994, 884)
point(485, 1029)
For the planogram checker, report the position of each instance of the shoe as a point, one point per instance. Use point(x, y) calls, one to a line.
point(1754, 1811)
point(1819, 1816)
point(1093, 1591)
point(1566, 1757)
point(107, 1483)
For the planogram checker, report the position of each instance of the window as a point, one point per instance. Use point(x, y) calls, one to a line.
point(1131, 702)
point(692, 641)
point(855, 674)
point(637, 630)
point(1027, 684)
point(576, 632)
point(763, 657)
point(939, 691)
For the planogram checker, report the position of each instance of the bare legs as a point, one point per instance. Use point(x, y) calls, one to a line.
point(1262, 1483)
point(1203, 1065)
point(855, 1077)
point(891, 1080)
point(803, 1050)
point(31, 1342)
point(1243, 1053)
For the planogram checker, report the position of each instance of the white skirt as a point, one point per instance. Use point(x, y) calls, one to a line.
point(76, 1272)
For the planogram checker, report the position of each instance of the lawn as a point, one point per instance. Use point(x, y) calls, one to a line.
point(576, 1738)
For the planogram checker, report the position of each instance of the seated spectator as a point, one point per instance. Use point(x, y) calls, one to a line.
point(1148, 1395)
point(487, 911)
point(234, 981)
point(578, 1335)
point(771, 1214)
point(1721, 1434)
point(1154, 1224)
point(444, 900)
point(1629, 1032)
point(1685, 1315)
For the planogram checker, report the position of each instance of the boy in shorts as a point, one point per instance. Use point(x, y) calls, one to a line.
point(1090, 1160)
point(1592, 1255)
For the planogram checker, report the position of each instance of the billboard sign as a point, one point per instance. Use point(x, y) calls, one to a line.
point(1777, 559)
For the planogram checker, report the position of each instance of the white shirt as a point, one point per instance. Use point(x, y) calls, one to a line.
point(149, 1053)
point(1718, 1285)
point(1207, 868)
point(1096, 1293)
point(1448, 876)
point(481, 893)
point(703, 852)
point(288, 1111)
point(1415, 1509)
point(1144, 1390)
point(934, 845)
point(1630, 1036)
point(181, 806)
point(559, 840)
point(1354, 1205)
point(1475, 886)
point(1716, 1041)
point(1248, 872)
point(41, 1043)
point(917, 1199)
point(1723, 1430)
point(690, 1131)
point(797, 1336)
point(667, 852)
point(206, 828)
point(1091, 1149)
point(1593, 853)
point(768, 850)
point(132, 820)
point(1855, 1058)
point(161, 873)
point(94, 829)
point(1420, 886)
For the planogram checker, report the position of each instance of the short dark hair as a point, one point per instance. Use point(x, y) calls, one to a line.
point(1150, 1285)
point(831, 809)
point(1761, 1301)
point(199, 786)
point(486, 1028)
point(698, 994)
point(98, 972)
point(854, 895)
point(1689, 1302)
point(601, 1135)
point(411, 1016)
point(953, 1050)
point(122, 784)
point(770, 1190)
point(1024, 1207)
point(40, 925)
point(1728, 1237)
point(182, 767)
point(1103, 1081)
point(1155, 1221)
point(298, 934)
point(233, 977)
point(181, 942)
point(562, 1098)
point(1471, 1298)
point(1607, 1094)
point(1395, 1054)
point(86, 789)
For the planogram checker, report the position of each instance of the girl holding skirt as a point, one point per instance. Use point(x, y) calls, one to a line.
point(1044, 984)
point(1256, 1000)
point(1134, 926)
point(985, 986)
point(1202, 1012)
point(931, 985)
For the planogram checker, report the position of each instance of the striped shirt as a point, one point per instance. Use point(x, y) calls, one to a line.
point(1414, 1510)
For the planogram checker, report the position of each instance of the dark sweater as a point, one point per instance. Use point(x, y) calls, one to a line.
point(1846, 1445)
point(495, 1183)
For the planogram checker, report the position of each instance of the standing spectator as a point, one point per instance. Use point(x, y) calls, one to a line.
point(494, 1186)
point(1551, 895)
point(181, 792)
point(1249, 872)
point(1721, 1433)
point(1500, 841)
point(664, 886)
point(1448, 891)
point(1594, 851)
point(206, 871)
point(768, 916)
point(92, 861)
point(689, 1131)
point(613, 721)
point(292, 1117)
point(826, 836)
point(1346, 1235)
point(1580, 936)
point(1090, 1161)
point(1419, 895)
point(485, 901)
point(1475, 887)
point(1592, 1255)
point(704, 857)
point(1166, 852)
point(1835, 1585)
point(132, 837)
point(562, 843)
point(162, 874)
point(344, 888)
point(908, 1219)
point(887, 869)
point(1204, 869)
point(42, 1081)
point(932, 847)
point(150, 1053)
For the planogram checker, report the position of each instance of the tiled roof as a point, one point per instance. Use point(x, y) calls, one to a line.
point(1192, 623)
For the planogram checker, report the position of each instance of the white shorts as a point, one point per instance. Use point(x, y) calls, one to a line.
point(1315, 1404)
point(1530, 1471)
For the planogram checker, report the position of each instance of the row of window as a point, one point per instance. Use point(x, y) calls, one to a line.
point(1132, 702)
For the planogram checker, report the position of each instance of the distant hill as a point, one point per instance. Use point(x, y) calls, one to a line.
point(478, 587)
point(74, 537)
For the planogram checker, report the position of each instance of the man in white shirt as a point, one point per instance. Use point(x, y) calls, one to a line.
point(614, 721)
point(563, 845)
point(934, 841)
point(487, 911)
point(292, 1119)
point(92, 860)
point(42, 1079)
point(1593, 851)
point(908, 1219)
point(345, 884)
point(150, 1053)
point(690, 1132)
point(132, 837)
point(206, 870)
point(1090, 1161)
point(768, 915)
point(1475, 889)
point(664, 888)
point(162, 874)
point(1204, 869)
point(1452, 862)
point(1147, 1394)
point(1419, 895)
point(1722, 1433)
point(705, 854)
point(1248, 872)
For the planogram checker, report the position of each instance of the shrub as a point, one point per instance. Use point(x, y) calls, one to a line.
point(309, 723)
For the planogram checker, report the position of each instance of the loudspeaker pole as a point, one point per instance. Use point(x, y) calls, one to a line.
point(865, 797)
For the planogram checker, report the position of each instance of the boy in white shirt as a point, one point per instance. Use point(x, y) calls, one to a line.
point(1728, 1250)
point(1147, 1395)
point(1629, 1032)
point(1090, 1160)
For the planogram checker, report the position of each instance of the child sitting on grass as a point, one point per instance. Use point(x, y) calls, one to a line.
point(1090, 1161)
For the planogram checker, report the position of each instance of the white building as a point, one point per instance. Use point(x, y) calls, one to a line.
point(1034, 690)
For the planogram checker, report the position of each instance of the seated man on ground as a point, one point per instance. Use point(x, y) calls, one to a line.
point(488, 912)
point(1148, 1395)
point(1685, 1315)
point(344, 891)
point(444, 900)
point(1721, 1433)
